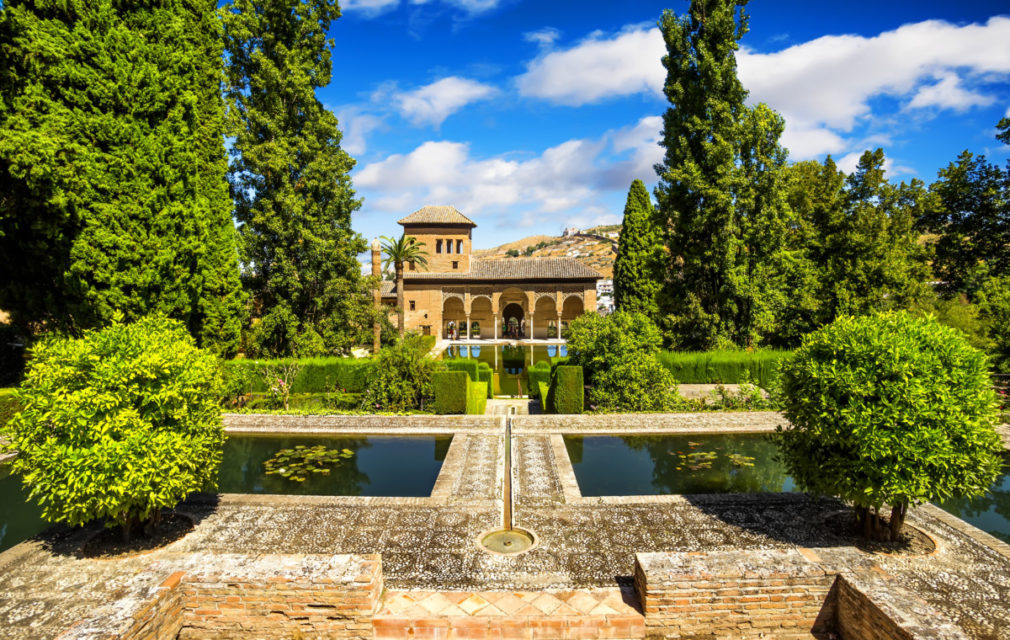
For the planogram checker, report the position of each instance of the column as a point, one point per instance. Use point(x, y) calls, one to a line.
point(559, 326)
point(468, 326)
point(496, 326)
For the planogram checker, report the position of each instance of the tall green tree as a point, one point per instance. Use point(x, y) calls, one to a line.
point(871, 255)
point(289, 179)
point(636, 269)
point(721, 197)
point(112, 167)
point(970, 218)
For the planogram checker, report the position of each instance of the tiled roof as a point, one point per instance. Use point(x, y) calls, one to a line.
point(437, 215)
point(514, 269)
point(388, 288)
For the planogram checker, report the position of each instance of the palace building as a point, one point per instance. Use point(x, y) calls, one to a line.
point(511, 298)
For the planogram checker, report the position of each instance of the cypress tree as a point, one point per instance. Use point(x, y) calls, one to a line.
point(290, 180)
point(112, 167)
point(636, 280)
point(721, 192)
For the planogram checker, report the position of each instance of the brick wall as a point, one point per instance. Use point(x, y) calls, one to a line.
point(238, 596)
point(870, 607)
point(743, 594)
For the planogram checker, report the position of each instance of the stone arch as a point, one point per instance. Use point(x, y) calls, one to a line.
point(513, 320)
point(571, 308)
point(453, 316)
point(482, 315)
point(545, 318)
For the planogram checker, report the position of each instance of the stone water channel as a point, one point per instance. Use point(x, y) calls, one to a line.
point(586, 546)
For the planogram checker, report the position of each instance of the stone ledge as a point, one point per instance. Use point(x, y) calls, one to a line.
point(254, 423)
point(644, 423)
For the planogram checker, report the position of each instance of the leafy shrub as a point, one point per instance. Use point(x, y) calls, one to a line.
point(889, 409)
point(401, 378)
point(994, 307)
point(317, 375)
point(8, 405)
point(747, 398)
point(543, 392)
point(118, 424)
point(476, 397)
point(725, 367)
point(451, 391)
point(618, 355)
point(567, 390)
point(637, 382)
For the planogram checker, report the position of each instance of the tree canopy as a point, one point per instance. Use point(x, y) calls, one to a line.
point(289, 179)
point(112, 168)
point(636, 268)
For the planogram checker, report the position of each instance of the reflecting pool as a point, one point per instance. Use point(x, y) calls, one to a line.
point(509, 362)
point(404, 466)
point(990, 513)
point(639, 465)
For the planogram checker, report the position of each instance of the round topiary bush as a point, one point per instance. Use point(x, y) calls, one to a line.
point(118, 423)
point(889, 409)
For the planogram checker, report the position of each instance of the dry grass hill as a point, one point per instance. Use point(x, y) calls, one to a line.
point(595, 247)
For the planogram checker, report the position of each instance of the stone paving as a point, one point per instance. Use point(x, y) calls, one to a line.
point(428, 545)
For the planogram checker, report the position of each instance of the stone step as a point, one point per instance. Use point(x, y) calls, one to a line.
point(510, 615)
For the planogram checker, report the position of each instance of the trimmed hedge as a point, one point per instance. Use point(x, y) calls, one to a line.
point(567, 391)
point(727, 367)
point(318, 375)
point(544, 393)
point(540, 372)
point(468, 365)
point(451, 391)
point(486, 375)
point(476, 397)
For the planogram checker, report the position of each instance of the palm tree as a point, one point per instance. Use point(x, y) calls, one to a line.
point(406, 249)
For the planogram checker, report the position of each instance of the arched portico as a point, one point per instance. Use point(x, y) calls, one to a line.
point(453, 318)
point(571, 309)
point(545, 318)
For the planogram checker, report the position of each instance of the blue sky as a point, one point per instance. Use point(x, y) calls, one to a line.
point(531, 116)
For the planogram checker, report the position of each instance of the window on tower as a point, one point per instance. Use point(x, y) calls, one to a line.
point(438, 246)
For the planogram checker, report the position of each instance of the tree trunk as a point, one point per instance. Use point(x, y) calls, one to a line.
point(898, 512)
point(399, 296)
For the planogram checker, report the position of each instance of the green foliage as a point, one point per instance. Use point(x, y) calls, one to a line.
point(636, 382)
point(316, 375)
point(636, 268)
point(971, 215)
point(747, 398)
point(759, 366)
point(512, 253)
point(721, 193)
point(567, 390)
point(290, 182)
point(117, 424)
point(451, 391)
point(301, 462)
point(544, 393)
point(466, 365)
point(401, 378)
point(956, 313)
point(618, 355)
point(486, 375)
point(113, 170)
point(476, 397)
point(994, 308)
point(8, 406)
point(889, 409)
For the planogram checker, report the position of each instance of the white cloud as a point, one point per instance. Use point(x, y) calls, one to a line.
point(357, 124)
point(823, 87)
point(543, 38)
point(948, 93)
point(568, 181)
point(372, 8)
point(598, 68)
point(435, 102)
point(369, 8)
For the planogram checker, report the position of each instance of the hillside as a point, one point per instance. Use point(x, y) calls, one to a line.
point(595, 247)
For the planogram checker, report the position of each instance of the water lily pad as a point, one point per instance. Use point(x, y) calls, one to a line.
point(299, 463)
